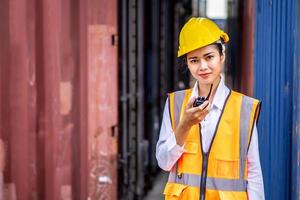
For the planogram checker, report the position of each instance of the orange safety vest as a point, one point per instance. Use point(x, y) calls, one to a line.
point(221, 173)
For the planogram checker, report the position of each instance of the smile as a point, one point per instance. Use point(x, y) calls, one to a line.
point(204, 76)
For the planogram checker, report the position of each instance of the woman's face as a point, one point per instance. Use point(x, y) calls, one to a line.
point(205, 64)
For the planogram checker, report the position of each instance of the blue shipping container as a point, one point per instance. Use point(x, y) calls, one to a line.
point(276, 78)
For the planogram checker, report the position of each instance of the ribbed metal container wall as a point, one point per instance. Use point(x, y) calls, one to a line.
point(296, 109)
point(58, 99)
point(274, 64)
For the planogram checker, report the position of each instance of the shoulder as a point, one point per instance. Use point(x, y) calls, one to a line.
point(248, 103)
point(180, 92)
point(243, 96)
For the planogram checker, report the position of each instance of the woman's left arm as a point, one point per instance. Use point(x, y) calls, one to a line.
point(255, 187)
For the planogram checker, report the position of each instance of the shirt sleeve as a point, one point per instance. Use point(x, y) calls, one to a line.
point(167, 150)
point(255, 187)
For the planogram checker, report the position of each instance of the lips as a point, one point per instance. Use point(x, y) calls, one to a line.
point(204, 75)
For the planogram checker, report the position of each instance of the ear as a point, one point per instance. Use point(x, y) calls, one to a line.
point(223, 57)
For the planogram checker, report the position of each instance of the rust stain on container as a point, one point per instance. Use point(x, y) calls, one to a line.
point(66, 192)
point(2, 155)
point(65, 97)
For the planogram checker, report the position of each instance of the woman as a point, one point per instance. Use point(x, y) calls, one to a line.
point(209, 144)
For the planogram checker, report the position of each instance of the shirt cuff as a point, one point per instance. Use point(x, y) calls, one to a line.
point(173, 146)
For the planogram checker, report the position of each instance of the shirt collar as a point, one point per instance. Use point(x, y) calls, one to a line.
point(220, 95)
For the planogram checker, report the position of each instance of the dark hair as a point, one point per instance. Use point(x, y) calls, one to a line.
point(182, 64)
point(219, 48)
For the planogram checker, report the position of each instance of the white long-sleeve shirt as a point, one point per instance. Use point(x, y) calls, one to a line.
point(168, 151)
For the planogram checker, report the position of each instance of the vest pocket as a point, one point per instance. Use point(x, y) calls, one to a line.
point(228, 195)
point(227, 168)
point(173, 191)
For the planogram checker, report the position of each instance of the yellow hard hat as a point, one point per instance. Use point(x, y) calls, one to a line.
point(197, 33)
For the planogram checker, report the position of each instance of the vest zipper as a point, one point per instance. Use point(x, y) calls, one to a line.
point(204, 168)
point(203, 175)
point(205, 155)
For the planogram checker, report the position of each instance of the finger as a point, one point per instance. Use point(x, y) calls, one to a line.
point(190, 102)
point(204, 105)
point(199, 108)
point(204, 112)
point(202, 115)
point(194, 110)
point(208, 107)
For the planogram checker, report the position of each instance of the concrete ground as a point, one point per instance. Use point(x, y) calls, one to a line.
point(157, 191)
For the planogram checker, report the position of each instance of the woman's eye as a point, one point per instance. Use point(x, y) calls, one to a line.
point(209, 57)
point(194, 61)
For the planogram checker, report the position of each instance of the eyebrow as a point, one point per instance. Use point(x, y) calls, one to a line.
point(208, 53)
point(195, 57)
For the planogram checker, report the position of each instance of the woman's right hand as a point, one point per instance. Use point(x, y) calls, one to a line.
point(191, 116)
point(194, 115)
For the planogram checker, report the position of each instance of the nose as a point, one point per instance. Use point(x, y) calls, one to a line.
point(203, 65)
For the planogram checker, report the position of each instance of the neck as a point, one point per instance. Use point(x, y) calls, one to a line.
point(203, 89)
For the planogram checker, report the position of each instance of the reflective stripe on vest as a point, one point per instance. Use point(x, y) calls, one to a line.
point(247, 103)
point(177, 98)
point(211, 183)
point(218, 183)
